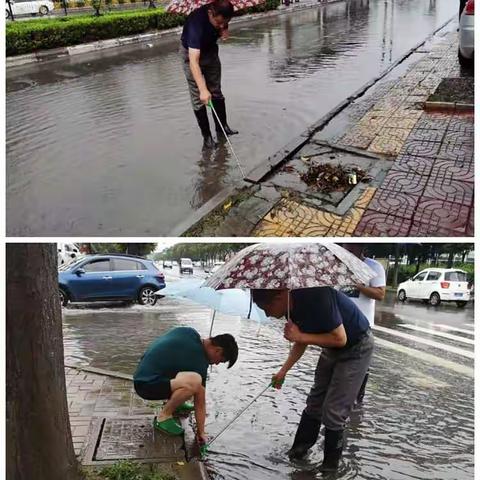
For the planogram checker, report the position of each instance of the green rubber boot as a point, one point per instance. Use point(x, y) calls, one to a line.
point(184, 409)
point(168, 426)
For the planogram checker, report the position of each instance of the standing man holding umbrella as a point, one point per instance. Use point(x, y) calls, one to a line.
point(202, 67)
point(364, 296)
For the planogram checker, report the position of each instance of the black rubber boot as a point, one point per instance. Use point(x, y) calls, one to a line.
point(202, 119)
point(332, 451)
point(306, 436)
point(361, 393)
point(219, 106)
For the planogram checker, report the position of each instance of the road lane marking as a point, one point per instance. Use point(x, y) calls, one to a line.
point(456, 338)
point(455, 329)
point(431, 343)
point(427, 357)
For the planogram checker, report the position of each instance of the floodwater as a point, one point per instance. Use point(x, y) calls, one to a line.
point(106, 143)
point(417, 421)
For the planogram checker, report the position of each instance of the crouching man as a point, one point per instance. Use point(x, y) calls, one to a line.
point(174, 368)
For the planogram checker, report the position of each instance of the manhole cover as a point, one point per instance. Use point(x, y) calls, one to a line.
point(131, 438)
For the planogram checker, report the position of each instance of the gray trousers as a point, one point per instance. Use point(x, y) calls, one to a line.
point(338, 378)
point(212, 72)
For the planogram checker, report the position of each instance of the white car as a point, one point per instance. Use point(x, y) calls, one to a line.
point(436, 285)
point(466, 37)
point(186, 265)
point(42, 7)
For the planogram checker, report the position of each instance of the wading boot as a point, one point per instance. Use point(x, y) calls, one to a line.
point(332, 450)
point(306, 436)
point(219, 106)
point(202, 119)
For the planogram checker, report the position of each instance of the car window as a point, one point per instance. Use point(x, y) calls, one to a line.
point(420, 276)
point(97, 266)
point(434, 275)
point(455, 276)
point(122, 264)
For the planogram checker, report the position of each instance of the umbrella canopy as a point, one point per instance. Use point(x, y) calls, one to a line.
point(291, 266)
point(230, 302)
point(185, 7)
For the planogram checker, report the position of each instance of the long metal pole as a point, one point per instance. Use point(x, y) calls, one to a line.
point(210, 104)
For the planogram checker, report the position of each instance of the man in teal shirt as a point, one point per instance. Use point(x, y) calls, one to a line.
point(174, 368)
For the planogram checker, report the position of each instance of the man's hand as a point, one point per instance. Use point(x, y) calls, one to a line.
point(205, 96)
point(278, 379)
point(292, 333)
point(202, 438)
point(224, 35)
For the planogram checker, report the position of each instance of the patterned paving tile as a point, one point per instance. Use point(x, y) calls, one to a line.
point(355, 138)
point(345, 226)
point(421, 148)
point(459, 137)
point(404, 121)
point(453, 151)
point(426, 135)
point(470, 226)
point(450, 170)
point(449, 190)
point(436, 217)
point(365, 198)
point(434, 121)
point(375, 224)
point(392, 203)
point(290, 218)
point(389, 141)
point(404, 182)
point(413, 164)
point(462, 123)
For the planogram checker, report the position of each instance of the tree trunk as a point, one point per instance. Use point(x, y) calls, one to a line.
point(39, 441)
point(396, 266)
point(450, 259)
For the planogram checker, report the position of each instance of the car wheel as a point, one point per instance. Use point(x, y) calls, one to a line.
point(147, 296)
point(63, 298)
point(435, 299)
point(461, 304)
point(402, 296)
point(43, 10)
point(464, 61)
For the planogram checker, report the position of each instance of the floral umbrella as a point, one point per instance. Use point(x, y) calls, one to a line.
point(185, 7)
point(291, 266)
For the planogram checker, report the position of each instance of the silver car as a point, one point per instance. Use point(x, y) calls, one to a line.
point(466, 35)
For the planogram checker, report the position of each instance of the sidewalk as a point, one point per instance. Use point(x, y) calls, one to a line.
point(419, 165)
point(110, 422)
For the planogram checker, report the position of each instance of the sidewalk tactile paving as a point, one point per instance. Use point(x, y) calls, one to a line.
point(435, 216)
point(397, 204)
point(389, 141)
point(413, 164)
point(375, 224)
point(404, 182)
point(450, 190)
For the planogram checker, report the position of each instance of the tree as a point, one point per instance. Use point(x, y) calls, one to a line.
point(39, 441)
point(140, 249)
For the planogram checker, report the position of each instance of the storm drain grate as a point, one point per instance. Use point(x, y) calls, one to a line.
point(131, 438)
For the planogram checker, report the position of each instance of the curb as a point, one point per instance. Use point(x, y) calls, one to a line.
point(99, 371)
point(259, 172)
point(57, 53)
point(450, 106)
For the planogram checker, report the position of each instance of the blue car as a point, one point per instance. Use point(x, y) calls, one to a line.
point(110, 277)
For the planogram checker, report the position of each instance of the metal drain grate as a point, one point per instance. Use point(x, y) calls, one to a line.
point(131, 438)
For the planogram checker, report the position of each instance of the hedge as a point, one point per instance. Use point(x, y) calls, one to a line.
point(34, 35)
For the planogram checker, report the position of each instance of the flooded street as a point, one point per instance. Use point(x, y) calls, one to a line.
point(107, 144)
point(416, 423)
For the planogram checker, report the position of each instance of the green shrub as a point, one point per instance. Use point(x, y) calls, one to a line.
point(27, 37)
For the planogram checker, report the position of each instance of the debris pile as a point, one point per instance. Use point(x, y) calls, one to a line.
point(329, 178)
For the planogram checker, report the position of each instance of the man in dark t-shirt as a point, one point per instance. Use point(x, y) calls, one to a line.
point(174, 368)
point(202, 67)
point(325, 317)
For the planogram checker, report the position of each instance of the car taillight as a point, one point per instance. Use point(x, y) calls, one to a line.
point(444, 284)
point(160, 276)
point(469, 7)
